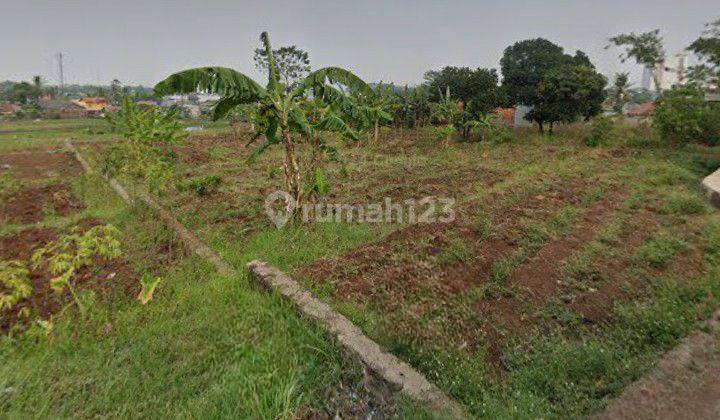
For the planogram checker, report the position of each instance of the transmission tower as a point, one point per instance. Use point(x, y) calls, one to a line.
point(61, 75)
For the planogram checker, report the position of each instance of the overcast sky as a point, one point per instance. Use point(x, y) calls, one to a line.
point(144, 41)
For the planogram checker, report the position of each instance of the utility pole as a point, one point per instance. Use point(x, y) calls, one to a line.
point(59, 57)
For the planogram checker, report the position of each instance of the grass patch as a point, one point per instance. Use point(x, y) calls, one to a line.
point(683, 203)
point(660, 249)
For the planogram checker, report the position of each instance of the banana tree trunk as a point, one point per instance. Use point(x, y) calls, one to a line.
point(291, 169)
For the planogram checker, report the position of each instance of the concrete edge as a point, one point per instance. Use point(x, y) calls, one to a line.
point(677, 359)
point(711, 188)
point(188, 238)
point(396, 373)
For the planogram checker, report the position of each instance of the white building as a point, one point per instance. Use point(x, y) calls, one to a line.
point(669, 73)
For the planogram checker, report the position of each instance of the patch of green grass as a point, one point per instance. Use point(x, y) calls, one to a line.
point(592, 195)
point(8, 185)
point(455, 251)
point(556, 311)
point(501, 269)
point(660, 249)
point(683, 203)
point(492, 289)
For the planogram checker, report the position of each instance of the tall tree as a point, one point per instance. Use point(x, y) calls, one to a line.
point(479, 85)
point(707, 48)
point(645, 48)
point(524, 67)
point(293, 64)
point(288, 118)
point(22, 93)
point(568, 93)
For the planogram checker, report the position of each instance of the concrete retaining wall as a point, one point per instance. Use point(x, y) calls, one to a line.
point(711, 188)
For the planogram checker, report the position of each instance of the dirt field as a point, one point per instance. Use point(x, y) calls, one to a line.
point(566, 274)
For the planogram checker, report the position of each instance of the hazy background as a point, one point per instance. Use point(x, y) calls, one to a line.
point(143, 41)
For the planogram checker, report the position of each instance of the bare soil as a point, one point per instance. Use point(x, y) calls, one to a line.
point(29, 205)
point(39, 164)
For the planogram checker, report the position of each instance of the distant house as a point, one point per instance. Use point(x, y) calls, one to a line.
point(512, 117)
point(93, 105)
point(146, 103)
point(505, 116)
point(712, 95)
point(55, 108)
point(643, 110)
point(9, 109)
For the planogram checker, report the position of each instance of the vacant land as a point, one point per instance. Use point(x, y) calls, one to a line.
point(566, 274)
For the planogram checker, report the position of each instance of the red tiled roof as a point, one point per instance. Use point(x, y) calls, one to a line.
point(642, 110)
point(506, 116)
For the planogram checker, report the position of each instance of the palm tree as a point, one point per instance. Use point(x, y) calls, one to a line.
point(284, 111)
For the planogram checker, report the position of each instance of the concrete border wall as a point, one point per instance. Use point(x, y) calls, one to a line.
point(711, 187)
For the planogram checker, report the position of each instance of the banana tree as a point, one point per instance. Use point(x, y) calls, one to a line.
point(375, 110)
point(283, 110)
point(444, 113)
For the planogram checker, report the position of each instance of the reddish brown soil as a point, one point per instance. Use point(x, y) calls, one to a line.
point(403, 274)
point(39, 164)
point(27, 205)
point(376, 271)
point(106, 279)
point(596, 307)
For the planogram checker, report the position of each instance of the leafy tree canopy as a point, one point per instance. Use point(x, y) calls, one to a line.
point(707, 47)
point(477, 88)
point(293, 63)
point(558, 86)
point(568, 93)
point(645, 48)
point(525, 63)
point(22, 93)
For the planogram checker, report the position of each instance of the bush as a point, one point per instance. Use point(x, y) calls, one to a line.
point(147, 153)
point(602, 128)
point(682, 115)
point(202, 186)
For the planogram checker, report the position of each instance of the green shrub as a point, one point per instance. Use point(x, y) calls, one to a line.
point(202, 186)
point(148, 125)
point(682, 115)
point(147, 153)
point(602, 129)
